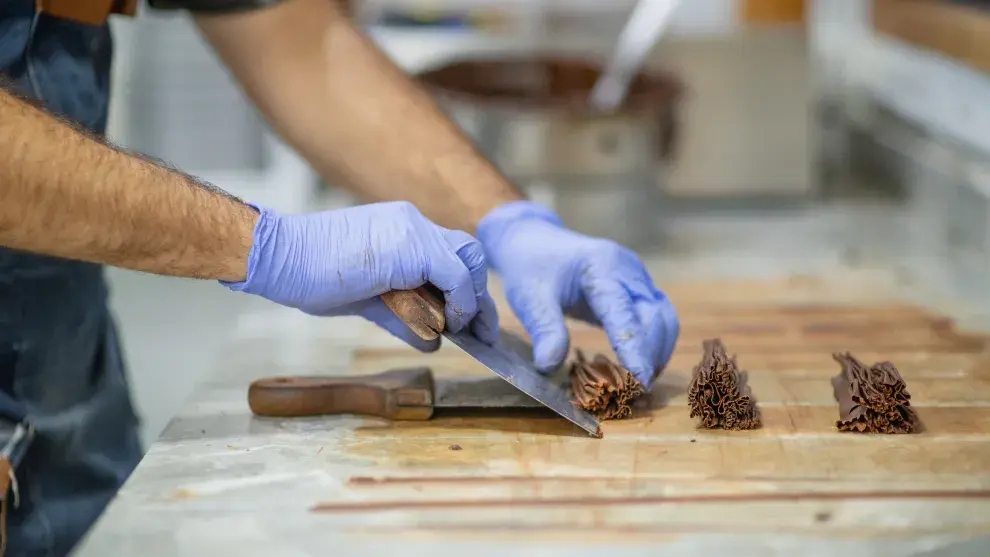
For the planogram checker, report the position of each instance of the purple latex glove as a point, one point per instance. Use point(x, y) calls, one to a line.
point(339, 262)
point(550, 271)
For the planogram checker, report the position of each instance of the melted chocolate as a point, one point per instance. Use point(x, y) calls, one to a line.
point(543, 83)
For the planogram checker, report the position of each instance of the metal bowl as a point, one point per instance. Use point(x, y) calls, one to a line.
point(530, 117)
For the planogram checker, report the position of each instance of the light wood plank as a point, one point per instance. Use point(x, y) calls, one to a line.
point(672, 421)
point(913, 366)
point(420, 448)
point(658, 476)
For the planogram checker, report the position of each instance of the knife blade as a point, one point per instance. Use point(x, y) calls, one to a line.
point(521, 374)
point(491, 392)
point(396, 394)
point(422, 310)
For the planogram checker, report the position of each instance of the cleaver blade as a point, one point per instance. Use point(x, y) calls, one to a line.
point(491, 392)
point(507, 363)
point(422, 310)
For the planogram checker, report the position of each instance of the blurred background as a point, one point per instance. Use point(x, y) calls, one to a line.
point(785, 136)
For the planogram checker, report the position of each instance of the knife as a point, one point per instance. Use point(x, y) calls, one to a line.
point(422, 310)
point(397, 394)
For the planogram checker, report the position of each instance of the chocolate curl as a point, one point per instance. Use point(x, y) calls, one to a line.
point(603, 387)
point(719, 392)
point(872, 399)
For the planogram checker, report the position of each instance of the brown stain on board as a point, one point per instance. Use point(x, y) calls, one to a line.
point(773, 11)
point(182, 494)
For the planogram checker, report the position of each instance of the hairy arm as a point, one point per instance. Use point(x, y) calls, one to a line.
point(67, 194)
point(351, 113)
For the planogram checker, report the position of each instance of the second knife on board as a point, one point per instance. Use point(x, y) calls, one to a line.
point(397, 394)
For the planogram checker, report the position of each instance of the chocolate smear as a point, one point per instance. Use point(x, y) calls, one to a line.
point(872, 399)
point(603, 388)
point(719, 393)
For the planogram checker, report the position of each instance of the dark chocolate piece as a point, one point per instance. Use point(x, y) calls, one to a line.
point(872, 399)
point(719, 393)
point(603, 387)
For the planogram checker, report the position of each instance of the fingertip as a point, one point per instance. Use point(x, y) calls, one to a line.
point(672, 330)
point(412, 339)
point(638, 352)
point(460, 303)
point(425, 346)
point(653, 326)
point(638, 365)
point(543, 318)
point(646, 380)
point(405, 334)
point(470, 251)
point(465, 245)
point(549, 352)
point(454, 318)
point(459, 309)
point(626, 323)
point(485, 325)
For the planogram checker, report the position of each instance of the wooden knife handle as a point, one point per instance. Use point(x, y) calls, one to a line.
point(398, 394)
point(421, 309)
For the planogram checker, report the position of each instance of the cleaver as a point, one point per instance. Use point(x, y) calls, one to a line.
point(397, 394)
point(422, 310)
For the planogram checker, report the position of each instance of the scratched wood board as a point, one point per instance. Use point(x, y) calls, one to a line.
point(535, 474)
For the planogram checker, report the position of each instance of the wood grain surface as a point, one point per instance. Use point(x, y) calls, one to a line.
point(658, 474)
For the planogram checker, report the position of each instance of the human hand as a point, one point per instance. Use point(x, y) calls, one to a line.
point(550, 271)
point(339, 262)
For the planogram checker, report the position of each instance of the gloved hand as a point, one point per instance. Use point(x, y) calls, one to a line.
point(339, 262)
point(550, 271)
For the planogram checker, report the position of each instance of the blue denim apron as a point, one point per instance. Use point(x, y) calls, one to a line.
point(61, 367)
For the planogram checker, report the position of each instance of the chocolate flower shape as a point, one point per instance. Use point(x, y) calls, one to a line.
point(872, 399)
point(604, 388)
point(719, 393)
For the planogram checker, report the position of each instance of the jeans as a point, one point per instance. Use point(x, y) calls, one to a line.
point(61, 366)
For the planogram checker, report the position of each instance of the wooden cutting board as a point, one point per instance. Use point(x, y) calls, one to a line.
point(535, 475)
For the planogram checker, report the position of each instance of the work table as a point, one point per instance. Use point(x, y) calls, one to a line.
point(222, 482)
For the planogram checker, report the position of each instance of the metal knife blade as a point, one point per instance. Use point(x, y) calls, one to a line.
point(517, 371)
point(493, 392)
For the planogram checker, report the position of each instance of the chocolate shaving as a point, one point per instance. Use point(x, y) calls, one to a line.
point(719, 392)
point(603, 387)
point(872, 399)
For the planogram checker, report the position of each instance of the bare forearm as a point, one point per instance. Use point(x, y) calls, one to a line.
point(353, 114)
point(65, 194)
